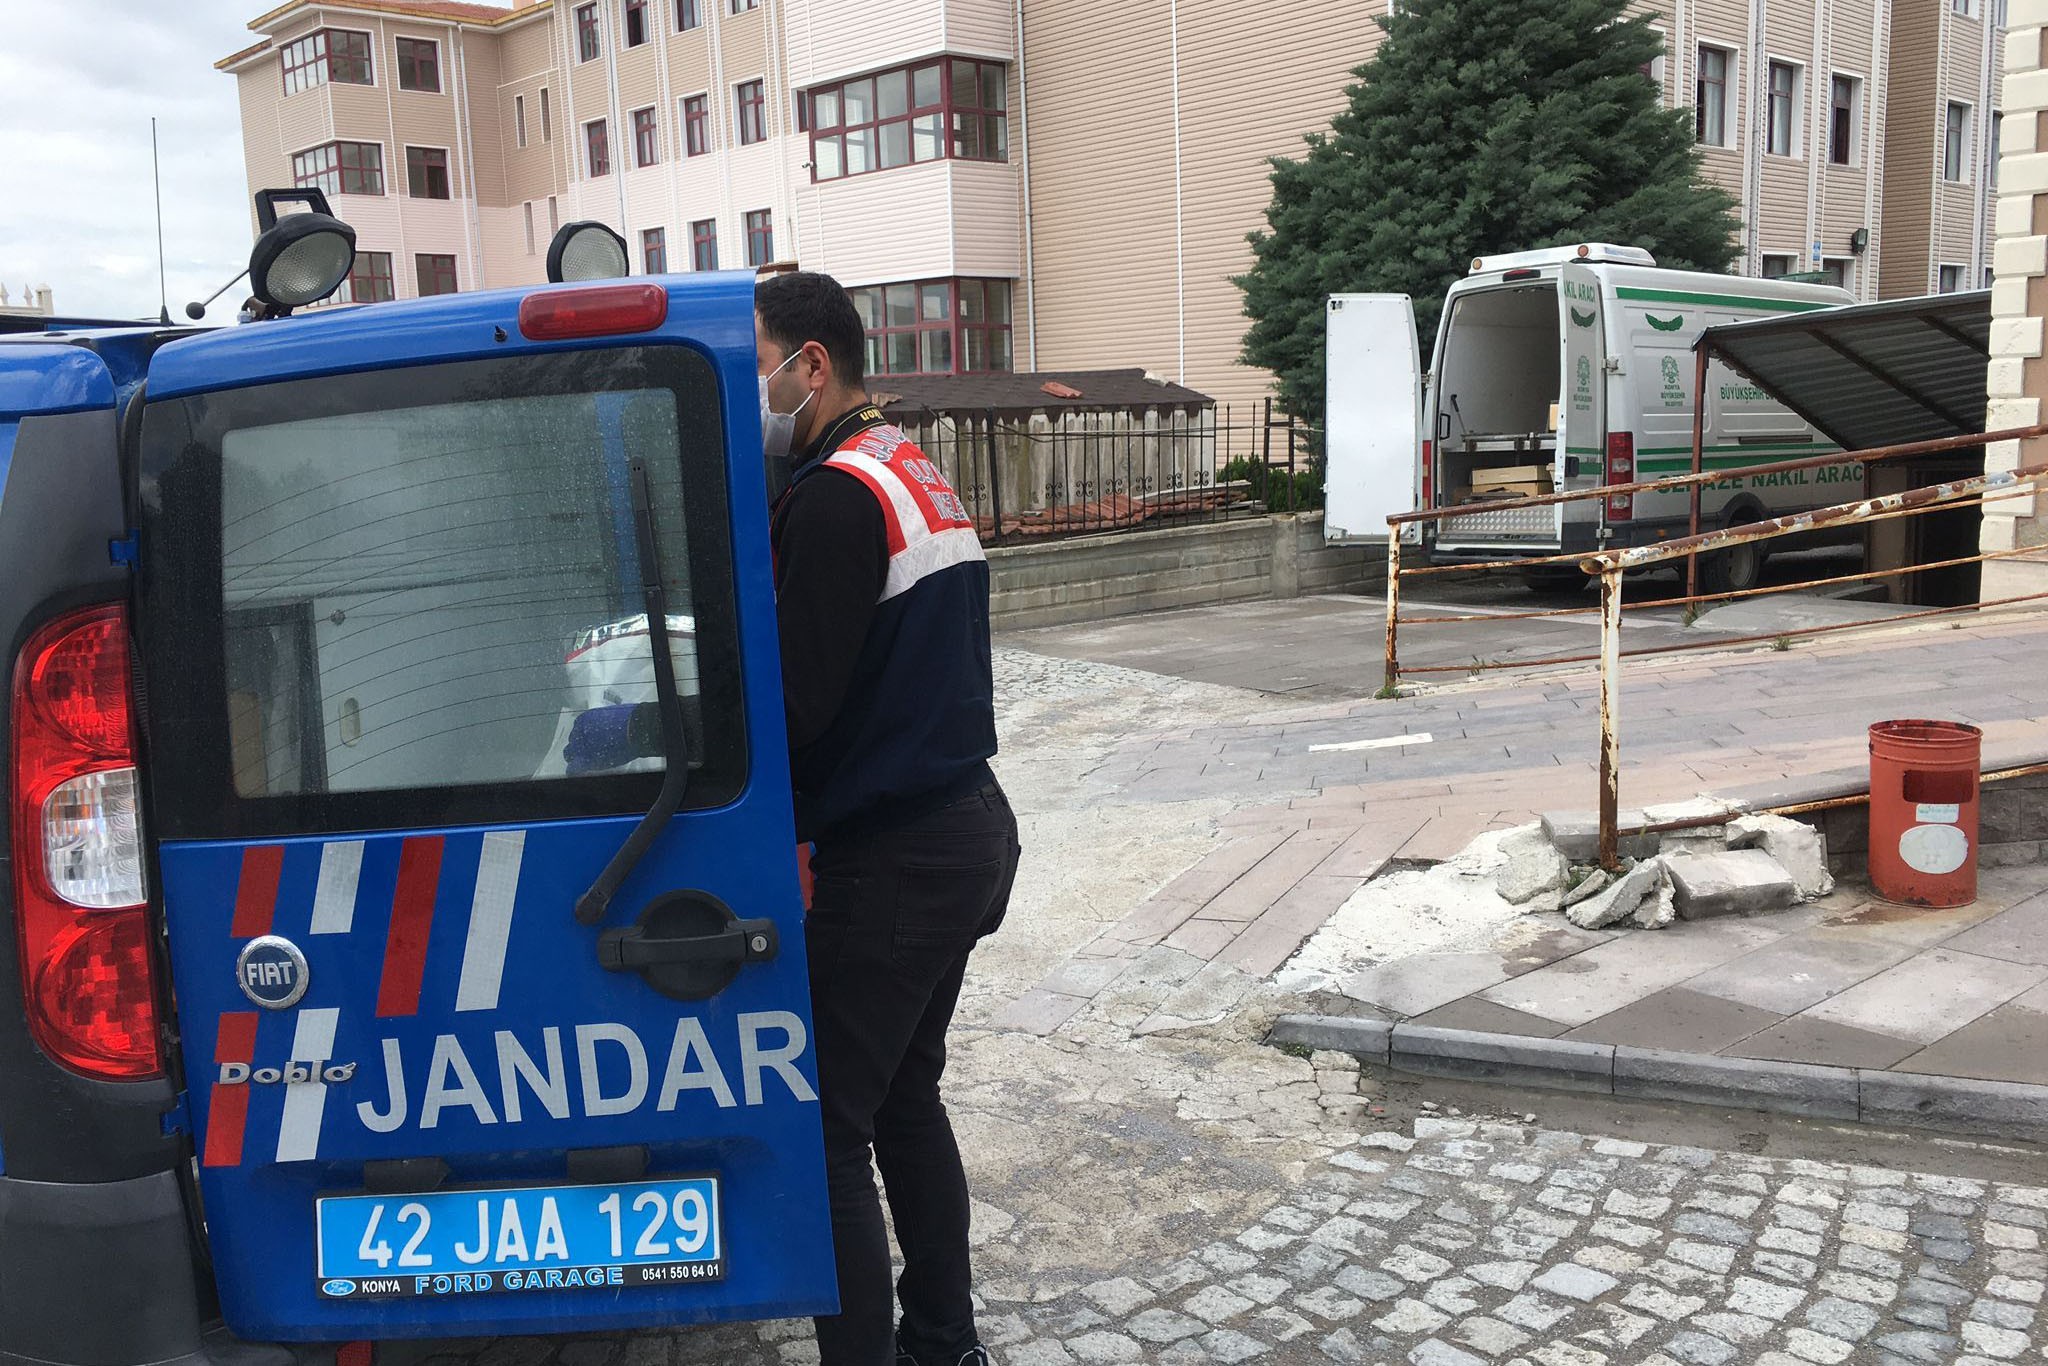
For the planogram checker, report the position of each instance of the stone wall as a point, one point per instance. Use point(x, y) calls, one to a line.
point(2012, 827)
point(1096, 577)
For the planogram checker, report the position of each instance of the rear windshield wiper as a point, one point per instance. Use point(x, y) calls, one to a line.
point(675, 778)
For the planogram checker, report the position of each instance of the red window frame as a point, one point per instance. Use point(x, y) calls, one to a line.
point(688, 15)
point(436, 269)
point(312, 60)
point(587, 48)
point(636, 19)
point(654, 250)
point(341, 168)
point(369, 280)
point(951, 326)
point(760, 224)
point(426, 169)
point(947, 107)
point(646, 146)
point(419, 65)
point(704, 244)
point(597, 147)
point(696, 125)
point(750, 102)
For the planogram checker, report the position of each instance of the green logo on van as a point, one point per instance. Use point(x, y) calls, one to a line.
point(1583, 319)
point(1663, 326)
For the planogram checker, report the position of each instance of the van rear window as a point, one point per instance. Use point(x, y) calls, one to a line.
point(428, 583)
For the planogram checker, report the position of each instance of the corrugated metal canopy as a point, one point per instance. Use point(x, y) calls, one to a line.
point(1874, 374)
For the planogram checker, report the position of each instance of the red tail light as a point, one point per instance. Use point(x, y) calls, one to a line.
point(596, 311)
point(1428, 475)
point(79, 909)
point(1621, 469)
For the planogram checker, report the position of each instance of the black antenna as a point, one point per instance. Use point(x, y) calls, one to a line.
point(163, 293)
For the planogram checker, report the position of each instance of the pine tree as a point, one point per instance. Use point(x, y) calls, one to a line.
point(1479, 127)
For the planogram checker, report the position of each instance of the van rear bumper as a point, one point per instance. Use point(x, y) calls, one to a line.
point(102, 1274)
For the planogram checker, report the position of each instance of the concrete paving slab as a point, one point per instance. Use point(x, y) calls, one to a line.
point(1680, 1021)
point(1929, 995)
point(2006, 1044)
point(2018, 935)
point(1823, 1042)
point(1800, 970)
point(1916, 926)
point(1585, 986)
point(1419, 984)
point(1480, 1015)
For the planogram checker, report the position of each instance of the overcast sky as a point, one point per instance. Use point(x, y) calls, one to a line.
point(79, 82)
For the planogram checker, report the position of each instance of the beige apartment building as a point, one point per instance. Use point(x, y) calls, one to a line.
point(1039, 184)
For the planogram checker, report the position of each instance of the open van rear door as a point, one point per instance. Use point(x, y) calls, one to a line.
point(1582, 413)
point(1372, 415)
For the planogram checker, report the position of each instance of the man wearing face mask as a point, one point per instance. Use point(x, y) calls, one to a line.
point(881, 595)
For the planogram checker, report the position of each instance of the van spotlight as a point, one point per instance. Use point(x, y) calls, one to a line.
point(587, 250)
point(301, 258)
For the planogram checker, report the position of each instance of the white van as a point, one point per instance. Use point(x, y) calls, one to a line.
point(1552, 369)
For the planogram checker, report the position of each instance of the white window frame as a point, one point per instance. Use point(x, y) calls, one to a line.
point(1968, 9)
point(1660, 66)
point(1790, 258)
point(1795, 142)
point(1731, 97)
point(1848, 265)
point(1962, 152)
point(1961, 276)
point(1855, 160)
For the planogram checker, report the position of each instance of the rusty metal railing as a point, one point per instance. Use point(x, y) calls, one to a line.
point(1609, 566)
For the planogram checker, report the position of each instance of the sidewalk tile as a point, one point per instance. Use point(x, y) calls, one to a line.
point(1484, 1016)
point(1204, 938)
point(2007, 1044)
point(1153, 921)
point(1929, 995)
point(1422, 982)
point(1800, 970)
point(1367, 851)
point(1587, 985)
point(1678, 1020)
point(1202, 883)
point(1805, 1039)
point(1247, 897)
point(1038, 1011)
point(1915, 926)
point(2018, 935)
point(1443, 837)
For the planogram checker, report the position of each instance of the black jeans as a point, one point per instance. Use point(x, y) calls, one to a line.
point(893, 919)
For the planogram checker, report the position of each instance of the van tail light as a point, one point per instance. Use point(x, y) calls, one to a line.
point(593, 311)
point(1428, 475)
point(1621, 469)
point(78, 899)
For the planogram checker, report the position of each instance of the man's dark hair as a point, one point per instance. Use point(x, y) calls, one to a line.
point(803, 306)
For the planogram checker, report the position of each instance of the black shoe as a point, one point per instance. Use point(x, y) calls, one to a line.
point(977, 1355)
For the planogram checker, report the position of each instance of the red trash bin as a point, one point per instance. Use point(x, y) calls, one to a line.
point(1923, 811)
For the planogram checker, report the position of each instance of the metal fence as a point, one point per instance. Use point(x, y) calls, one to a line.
point(1076, 472)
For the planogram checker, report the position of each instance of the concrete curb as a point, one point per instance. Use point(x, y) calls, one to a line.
point(1862, 1095)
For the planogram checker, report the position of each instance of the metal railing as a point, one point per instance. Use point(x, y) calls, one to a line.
point(1090, 471)
point(1609, 566)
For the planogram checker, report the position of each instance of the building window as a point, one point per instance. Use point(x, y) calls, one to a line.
point(741, 6)
point(1776, 265)
point(1845, 103)
point(426, 172)
point(528, 207)
point(636, 22)
point(330, 54)
point(437, 274)
point(599, 147)
point(1966, 8)
point(369, 280)
point(902, 116)
point(760, 237)
point(800, 111)
point(1711, 103)
point(519, 119)
point(752, 108)
point(419, 65)
point(1991, 166)
point(688, 16)
point(2001, 24)
point(646, 150)
point(1955, 162)
point(586, 33)
point(696, 125)
point(654, 250)
point(936, 327)
point(1990, 275)
point(341, 168)
point(554, 217)
point(1838, 271)
point(1782, 129)
point(547, 128)
point(1949, 280)
point(704, 244)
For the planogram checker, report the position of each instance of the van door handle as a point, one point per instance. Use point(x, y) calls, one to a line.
point(744, 941)
point(688, 945)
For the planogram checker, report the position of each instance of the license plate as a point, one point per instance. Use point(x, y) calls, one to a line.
point(541, 1238)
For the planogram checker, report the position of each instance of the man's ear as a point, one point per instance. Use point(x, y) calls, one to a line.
point(821, 365)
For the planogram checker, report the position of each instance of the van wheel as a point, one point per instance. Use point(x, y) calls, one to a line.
point(1737, 568)
point(1554, 580)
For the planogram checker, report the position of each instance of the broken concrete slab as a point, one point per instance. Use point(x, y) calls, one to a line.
point(1737, 882)
point(1620, 900)
point(1531, 866)
point(1660, 907)
point(1693, 808)
point(1576, 835)
point(1596, 881)
point(1798, 847)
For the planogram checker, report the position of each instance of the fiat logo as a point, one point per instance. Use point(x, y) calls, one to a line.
point(271, 972)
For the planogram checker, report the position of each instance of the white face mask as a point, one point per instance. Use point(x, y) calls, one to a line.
point(778, 430)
